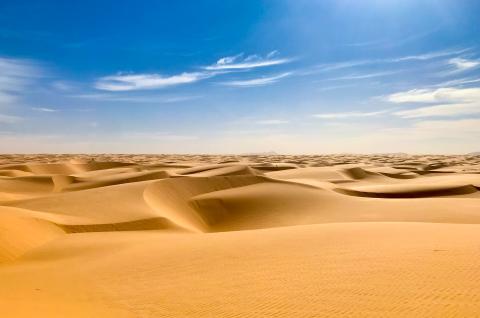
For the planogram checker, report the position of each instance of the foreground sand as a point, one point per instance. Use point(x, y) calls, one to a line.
point(239, 236)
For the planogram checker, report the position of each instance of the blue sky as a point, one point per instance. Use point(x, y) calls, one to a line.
point(295, 77)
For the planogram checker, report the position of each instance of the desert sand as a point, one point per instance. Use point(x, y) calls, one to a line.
point(387, 235)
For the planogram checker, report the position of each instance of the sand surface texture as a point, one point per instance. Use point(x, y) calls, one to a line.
point(239, 236)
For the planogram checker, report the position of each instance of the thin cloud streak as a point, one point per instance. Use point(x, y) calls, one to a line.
point(462, 64)
point(132, 82)
point(430, 55)
point(363, 76)
point(44, 109)
point(257, 81)
point(441, 111)
point(117, 83)
point(453, 102)
point(349, 114)
point(252, 61)
point(458, 82)
point(327, 67)
point(442, 95)
point(340, 65)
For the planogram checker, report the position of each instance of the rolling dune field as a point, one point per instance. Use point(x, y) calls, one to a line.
point(387, 235)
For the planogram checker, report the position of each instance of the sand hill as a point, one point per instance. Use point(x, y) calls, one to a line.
point(239, 236)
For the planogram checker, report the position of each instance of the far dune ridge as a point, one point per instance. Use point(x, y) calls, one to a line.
point(259, 235)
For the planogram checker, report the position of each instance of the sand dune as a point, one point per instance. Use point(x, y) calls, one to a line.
point(239, 236)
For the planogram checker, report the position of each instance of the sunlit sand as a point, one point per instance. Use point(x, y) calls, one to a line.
point(239, 236)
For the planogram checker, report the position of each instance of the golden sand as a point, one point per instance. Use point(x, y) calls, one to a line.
point(239, 236)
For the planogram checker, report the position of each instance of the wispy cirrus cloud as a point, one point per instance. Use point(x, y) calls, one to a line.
point(447, 101)
point(261, 81)
point(130, 82)
point(335, 66)
point(343, 65)
point(458, 82)
point(349, 114)
point(239, 62)
point(444, 94)
point(462, 64)
point(44, 109)
point(364, 75)
point(431, 55)
point(441, 110)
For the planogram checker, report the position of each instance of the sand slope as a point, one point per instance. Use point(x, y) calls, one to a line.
point(240, 236)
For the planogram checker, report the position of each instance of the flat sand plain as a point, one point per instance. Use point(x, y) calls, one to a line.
point(239, 236)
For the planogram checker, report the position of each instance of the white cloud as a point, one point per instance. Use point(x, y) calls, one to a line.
point(325, 67)
point(338, 65)
point(272, 54)
point(364, 76)
point(132, 82)
point(228, 59)
point(453, 102)
point(44, 109)
point(272, 122)
point(413, 96)
point(349, 114)
point(257, 81)
point(252, 61)
point(442, 95)
point(462, 64)
point(430, 55)
point(441, 110)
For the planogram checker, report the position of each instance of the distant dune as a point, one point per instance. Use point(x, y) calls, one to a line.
point(259, 235)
